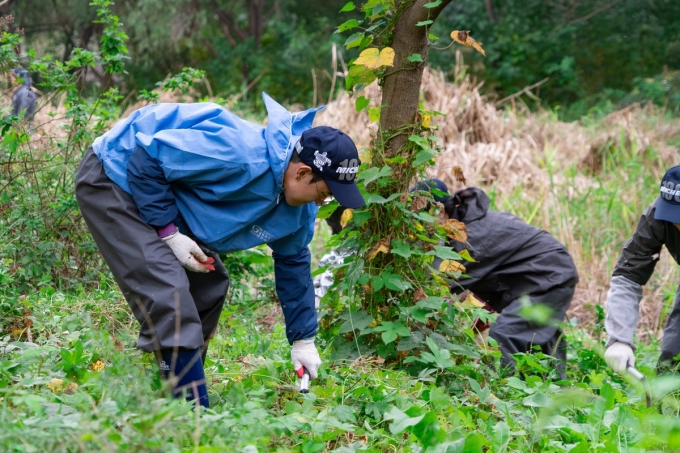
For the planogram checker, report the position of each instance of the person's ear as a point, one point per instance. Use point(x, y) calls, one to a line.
point(302, 172)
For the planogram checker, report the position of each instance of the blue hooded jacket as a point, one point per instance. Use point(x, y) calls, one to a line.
point(221, 177)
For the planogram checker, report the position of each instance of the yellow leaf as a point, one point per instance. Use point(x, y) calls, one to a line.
point(71, 388)
point(56, 385)
point(426, 121)
point(455, 230)
point(380, 247)
point(97, 366)
point(373, 58)
point(457, 173)
point(472, 300)
point(346, 217)
point(463, 37)
point(451, 266)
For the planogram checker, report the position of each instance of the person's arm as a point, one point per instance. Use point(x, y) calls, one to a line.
point(150, 190)
point(296, 292)
point(634, 268)
point(623, 302)
point(156, 203)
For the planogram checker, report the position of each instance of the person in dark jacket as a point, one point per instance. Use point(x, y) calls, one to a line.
point(659, 225)
point(24, 99)
point(171, 186)
point(513, 259)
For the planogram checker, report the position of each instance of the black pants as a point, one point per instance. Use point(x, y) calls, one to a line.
point(175, 308)
point(515, 334)
point(670, 345)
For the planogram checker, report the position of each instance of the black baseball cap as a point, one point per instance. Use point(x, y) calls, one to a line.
point(333, 155)
point(668, 204)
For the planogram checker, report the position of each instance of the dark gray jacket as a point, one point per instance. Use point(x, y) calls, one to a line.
point(512, 257)
point(634, 268)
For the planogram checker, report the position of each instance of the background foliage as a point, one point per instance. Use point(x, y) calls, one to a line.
point(597, 53)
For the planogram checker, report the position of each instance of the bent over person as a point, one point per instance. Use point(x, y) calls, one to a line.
point(167, 189)
point(659, 225)
point(513, 259)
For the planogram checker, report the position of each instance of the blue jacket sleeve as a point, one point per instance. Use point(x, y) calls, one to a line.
point(296, 293)
point(150, 190)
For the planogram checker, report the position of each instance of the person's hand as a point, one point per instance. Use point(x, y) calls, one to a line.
point(305, 355)
point(619, 356)
point(189, 253)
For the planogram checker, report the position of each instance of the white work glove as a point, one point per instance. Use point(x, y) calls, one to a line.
point(619, 356)
point(189, 253)
point(304, 354)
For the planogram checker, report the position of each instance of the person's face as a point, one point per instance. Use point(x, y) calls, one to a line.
point(297, 187)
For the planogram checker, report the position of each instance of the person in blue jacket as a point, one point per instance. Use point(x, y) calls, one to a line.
point(173, 185)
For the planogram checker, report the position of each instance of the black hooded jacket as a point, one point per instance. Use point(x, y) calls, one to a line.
point(512, 257)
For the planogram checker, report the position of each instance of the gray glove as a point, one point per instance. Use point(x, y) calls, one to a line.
point(619, 356)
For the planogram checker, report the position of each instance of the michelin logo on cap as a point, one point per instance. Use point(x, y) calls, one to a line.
point(670, 190)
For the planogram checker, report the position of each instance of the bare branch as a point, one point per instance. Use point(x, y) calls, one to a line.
point(526, 89)
point(597, 11)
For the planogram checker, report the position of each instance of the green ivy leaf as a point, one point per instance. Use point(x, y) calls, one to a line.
point(326, 210)
point(374, 114)
point(397, 284)
point(432, 37)
point(422, 157)
point(414, 58)
point(401, 420)
point(361, 103)
point(348, 25)
point(444, 253)
point(355, 320)
point(433, 4)
point(466, 256)
point(423, 23)
point(429, 431)
point(391, 331)
point(371, 174)
point(419, 314)
point(349, 6)
point(420, 141)
point(375, 198)
point(401, 249)
point(354, 40)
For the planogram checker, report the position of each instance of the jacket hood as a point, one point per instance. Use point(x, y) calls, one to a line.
point(467, 205)
point(283, 130)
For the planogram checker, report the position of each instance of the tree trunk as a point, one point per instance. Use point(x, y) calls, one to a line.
point(401, 90)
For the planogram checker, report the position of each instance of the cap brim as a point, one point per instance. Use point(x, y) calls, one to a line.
point(666, 211)
point(347, 195)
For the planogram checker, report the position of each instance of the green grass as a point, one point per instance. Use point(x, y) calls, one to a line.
point(458, 402)
point(361, 405)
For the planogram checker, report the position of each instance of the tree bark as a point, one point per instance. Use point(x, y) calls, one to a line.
point(401, 90)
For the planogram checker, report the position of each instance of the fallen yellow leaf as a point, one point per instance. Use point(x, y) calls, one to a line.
point(426, 121)
point(374, 58)
point(451, 266)
point(56, 385)
point(472, 300)
point(380, 247)
point(455, 229)
point(463, 37)
point(457, 173)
